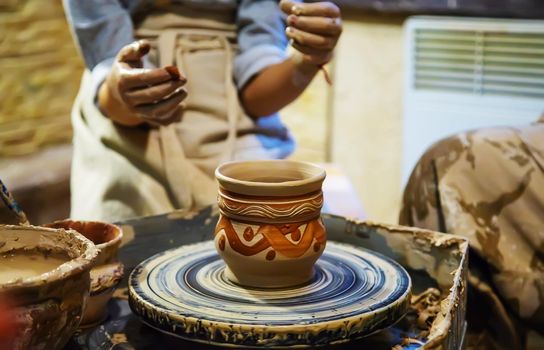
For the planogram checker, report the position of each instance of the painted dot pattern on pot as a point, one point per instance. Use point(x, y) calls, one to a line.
point(295, 236)
point(248, 234)
point(270, 255)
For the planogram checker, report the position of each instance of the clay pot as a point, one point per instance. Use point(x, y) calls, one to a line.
point(45, 307)
point(270, 232)
point(106, 237)
point(107, 273)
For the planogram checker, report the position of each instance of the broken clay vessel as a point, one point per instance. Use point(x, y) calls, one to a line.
point(270, 232)
point(107, 272)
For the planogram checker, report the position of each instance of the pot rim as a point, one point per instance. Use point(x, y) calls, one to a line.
point(68, 269)
point(118, 231)
point(310, 181)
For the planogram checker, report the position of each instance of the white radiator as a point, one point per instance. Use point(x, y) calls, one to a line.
point(465, 73)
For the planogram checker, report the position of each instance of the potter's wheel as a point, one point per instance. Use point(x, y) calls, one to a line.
point(184, 292)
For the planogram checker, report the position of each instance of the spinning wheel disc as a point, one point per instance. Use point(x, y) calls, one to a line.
point(184, 292)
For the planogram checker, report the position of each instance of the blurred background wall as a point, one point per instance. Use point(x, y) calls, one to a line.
point(39, 78)
point(357, 123)
point(40, 75)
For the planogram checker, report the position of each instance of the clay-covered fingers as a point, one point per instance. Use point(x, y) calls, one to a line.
point(314, 42)
point(152, 93)
point(318, 25)
point(141, 77)
point(132, 94)
point(318, 9)
point(313, 29)
point(164, 111)
point(134, 52)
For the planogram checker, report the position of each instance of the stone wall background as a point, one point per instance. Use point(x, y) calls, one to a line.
point(40, 71)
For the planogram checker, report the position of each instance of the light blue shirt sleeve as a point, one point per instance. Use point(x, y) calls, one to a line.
point(261, 38)
point(100, 28)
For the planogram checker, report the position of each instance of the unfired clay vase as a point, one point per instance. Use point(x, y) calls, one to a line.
point(46, 308)
point(270, 232)
point(106, 272)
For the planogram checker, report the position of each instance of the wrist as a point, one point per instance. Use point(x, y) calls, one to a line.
point(317, 60)
point(303, 65)
point(304, 70)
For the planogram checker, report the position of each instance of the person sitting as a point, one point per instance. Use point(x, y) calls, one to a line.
point(488, 186)
point(147, 140)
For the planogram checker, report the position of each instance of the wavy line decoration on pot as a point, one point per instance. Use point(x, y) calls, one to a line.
point(271, 208)
point(270, 232)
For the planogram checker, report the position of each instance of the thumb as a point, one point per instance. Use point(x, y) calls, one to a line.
point(134, 51)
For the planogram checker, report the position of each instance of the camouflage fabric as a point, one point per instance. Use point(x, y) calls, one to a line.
point(488, 185)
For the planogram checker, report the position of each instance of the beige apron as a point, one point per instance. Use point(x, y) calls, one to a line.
point(120, 172)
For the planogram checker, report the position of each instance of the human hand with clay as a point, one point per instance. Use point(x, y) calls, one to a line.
point(132, 95)
point(313, 28)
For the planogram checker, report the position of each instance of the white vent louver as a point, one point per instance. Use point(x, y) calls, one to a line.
point(480, 62)
point(466, 73)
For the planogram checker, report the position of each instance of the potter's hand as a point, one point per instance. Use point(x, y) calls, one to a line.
point(313, 29)
point(132, 94)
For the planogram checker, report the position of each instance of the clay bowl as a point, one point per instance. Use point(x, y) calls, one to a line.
point(107, 272)
point(270, 232)
point(104, 281)
point(44, 274)
point(107, 237)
